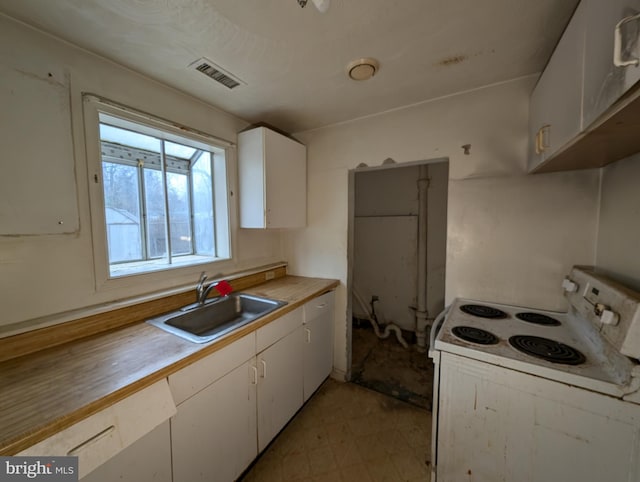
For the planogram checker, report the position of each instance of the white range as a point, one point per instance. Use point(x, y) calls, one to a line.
point(528, 395)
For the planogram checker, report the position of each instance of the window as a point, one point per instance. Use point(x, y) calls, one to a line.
point(163, 197)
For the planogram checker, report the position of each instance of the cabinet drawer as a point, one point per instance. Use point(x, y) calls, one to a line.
point(190, 380)
point(318, 306)
point(99, 437)
point(278, 329)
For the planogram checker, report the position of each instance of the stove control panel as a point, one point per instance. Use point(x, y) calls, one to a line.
point(613, 308)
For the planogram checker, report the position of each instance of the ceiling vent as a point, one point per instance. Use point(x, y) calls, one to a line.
point(217, 73)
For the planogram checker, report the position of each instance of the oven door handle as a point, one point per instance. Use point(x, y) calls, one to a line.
point(435, 328)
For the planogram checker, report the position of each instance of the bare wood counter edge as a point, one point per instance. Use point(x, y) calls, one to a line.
point(106, 368)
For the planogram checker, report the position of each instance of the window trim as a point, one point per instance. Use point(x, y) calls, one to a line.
point(224, 208)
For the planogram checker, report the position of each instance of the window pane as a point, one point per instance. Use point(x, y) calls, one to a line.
point(178, 191)
point(203, 206)
point(154, 200)
point(122, 212)
point(129, 138)
point(178, 150)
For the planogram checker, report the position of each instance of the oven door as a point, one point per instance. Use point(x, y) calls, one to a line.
point(496, 424)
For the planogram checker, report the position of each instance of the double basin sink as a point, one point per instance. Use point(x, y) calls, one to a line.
point(216, 318)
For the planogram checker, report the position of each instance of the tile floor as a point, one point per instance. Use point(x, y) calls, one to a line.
point(352, 434)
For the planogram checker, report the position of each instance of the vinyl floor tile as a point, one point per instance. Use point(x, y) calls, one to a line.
point(349, 433)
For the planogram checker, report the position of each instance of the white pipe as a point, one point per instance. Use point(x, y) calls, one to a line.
point(422, 319)
point(376, 329)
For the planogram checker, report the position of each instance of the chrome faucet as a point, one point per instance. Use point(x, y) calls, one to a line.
point(206, 292)
point(203, 291)
point(200, 296)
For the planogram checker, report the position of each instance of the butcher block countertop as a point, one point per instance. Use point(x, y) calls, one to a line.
point(45, 392)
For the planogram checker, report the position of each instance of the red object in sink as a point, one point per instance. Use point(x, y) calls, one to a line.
point(223, 287)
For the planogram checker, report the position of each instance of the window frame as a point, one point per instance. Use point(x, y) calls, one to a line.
point(224, 209)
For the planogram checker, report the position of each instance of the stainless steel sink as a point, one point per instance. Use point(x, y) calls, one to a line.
point(205, 323)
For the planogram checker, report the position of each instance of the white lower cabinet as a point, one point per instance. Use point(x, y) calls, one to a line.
point(213, 435)
point(318, 338)
point(280, 385)
point(146, 460)
point(232, 403)
point(114, 432)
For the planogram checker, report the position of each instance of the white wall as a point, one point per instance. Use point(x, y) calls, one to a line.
point(513, 239)
point(619, 227)
point(503, 226)
point(41, 276)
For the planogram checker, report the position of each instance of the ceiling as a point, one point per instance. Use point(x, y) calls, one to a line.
point(292, 60)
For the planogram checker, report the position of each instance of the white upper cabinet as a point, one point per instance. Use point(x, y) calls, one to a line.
point(555, 114)
point(584, 108)
point(605, 82)
point(272, 180)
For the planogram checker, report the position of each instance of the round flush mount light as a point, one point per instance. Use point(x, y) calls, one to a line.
point(362, 69)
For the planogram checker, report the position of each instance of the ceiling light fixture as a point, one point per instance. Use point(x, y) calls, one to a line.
point(321, 5)
point(362, 69)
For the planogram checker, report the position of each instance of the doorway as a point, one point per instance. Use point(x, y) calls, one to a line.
point(396, 275)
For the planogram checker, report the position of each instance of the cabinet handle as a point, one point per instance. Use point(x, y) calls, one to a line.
point(254, 371)
point(308, 335)
point(618, 61)
point(546, 131)
point(321, 305)
point(92, 440)
point(541, 145)
point(264, 368)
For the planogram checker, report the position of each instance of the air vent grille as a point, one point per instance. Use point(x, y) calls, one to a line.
point(211, 70)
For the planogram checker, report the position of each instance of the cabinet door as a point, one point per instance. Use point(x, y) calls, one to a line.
point(604, 83)
point(272, 171)
point(213, 435)
point(555, 116)
point(318, 349)
point(146, 460)
point(280, 385)
point(286, 182)
point(318, 353)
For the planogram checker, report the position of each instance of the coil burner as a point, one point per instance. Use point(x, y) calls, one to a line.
point(538, 319)
point(475, 335)
point(546, 349)
point(483, 311)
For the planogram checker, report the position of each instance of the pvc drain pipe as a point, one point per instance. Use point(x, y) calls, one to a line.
point(390, 327)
